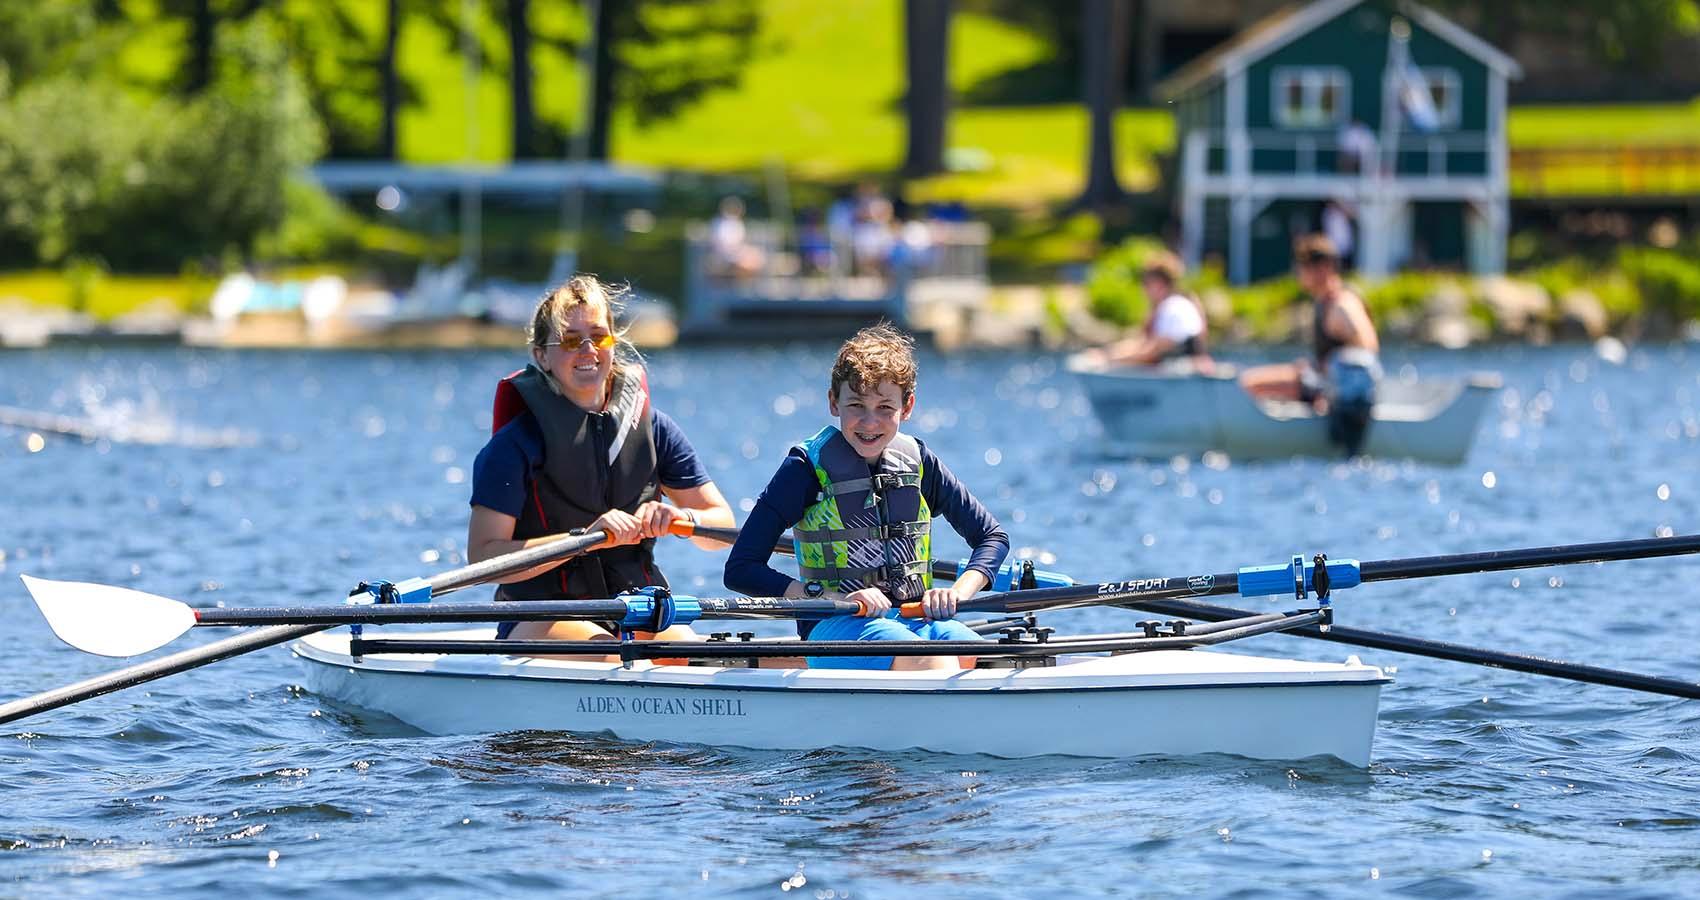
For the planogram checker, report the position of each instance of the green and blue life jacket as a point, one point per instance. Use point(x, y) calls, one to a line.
point(870, 526)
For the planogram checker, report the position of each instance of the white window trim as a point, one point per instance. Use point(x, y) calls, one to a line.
point(1312, 78)
point(1452, 113)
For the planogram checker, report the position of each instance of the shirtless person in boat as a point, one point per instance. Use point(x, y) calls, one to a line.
point(1175, 328)
point(1344, 365)
point(860, 497)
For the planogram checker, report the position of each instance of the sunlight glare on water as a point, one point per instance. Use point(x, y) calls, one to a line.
point(227, 780)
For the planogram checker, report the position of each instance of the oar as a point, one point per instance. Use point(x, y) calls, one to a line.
point(1416, 646)
point(132, 622)
point(1014, 574)
point(79, 623)
point(1163, 596)
point(1263, 581)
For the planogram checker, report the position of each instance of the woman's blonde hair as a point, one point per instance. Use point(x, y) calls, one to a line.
point(553, 311)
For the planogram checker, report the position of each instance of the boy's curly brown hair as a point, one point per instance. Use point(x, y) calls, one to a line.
point(874, 355)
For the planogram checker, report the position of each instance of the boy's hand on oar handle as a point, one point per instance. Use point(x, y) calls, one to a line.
point(873, 601)
point(936, 604)
point(941, 602)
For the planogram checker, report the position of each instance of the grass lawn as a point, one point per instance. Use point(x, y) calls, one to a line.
point(822, 95)
point(104, 296)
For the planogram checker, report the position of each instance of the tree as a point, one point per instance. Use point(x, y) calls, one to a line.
point(659, 56)
point(1628, 35)
point(926, 32)
point(1103, 33)
point(391, 81)
point(523, 116)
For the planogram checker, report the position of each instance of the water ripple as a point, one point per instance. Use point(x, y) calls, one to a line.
point(1485, 782)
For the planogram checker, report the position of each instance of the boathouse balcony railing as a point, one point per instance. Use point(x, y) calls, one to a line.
point(1319, 156)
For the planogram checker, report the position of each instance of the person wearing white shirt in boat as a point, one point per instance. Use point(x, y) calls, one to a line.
point(1175, 329)
point(576, 448)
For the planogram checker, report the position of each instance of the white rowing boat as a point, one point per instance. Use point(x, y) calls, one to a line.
point(1168, 702)
point(1165, 411)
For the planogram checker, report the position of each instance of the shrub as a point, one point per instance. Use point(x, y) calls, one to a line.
point(1112, 285)
point(1403, 295)
point(86, 171)
point(1668, 282)
point(1262, 308)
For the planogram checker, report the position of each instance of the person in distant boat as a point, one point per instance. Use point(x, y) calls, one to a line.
point(577, 447)
point(1340, 376)
point(1175, 328)
point(860, 497)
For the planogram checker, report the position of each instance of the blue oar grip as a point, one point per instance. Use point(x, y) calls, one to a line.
point(1269, 581)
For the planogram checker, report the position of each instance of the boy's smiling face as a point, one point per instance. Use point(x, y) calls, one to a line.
point(870, 418)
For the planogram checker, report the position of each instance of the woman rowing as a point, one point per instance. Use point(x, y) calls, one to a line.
point(1340, 376)
point(578, 448)
point(1175, 329)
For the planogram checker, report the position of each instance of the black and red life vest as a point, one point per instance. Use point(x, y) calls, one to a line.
point(592, 462)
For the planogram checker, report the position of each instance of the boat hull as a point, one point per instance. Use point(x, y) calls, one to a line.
point(1158, 412)
point(1162, 702)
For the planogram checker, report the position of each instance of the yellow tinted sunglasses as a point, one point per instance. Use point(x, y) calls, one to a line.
point(572, 342)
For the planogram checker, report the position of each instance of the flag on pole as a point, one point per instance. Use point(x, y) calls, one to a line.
point(1409, 86)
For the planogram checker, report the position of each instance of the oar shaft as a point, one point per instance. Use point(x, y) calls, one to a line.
point(509, 563)
point(634, 610)
point(1416, 646)
point(148, 671)
point(1528, 558)
point(942, 568)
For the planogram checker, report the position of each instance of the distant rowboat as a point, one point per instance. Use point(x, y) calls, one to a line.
point(1163, 411)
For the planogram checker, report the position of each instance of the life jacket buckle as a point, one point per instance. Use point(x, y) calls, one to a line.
point(885, 481)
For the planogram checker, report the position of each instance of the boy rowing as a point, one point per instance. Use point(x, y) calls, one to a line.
point(861, 497)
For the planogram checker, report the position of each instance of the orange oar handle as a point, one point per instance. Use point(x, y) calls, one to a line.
point(682, 528)
point(912, 611)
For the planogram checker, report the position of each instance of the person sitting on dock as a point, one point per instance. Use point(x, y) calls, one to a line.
point(860, 497)
point(1175, 329)
point(578, 448)
point(733, 257)
point(1340, 377)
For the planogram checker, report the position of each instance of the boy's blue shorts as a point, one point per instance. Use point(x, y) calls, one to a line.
point(891, 627)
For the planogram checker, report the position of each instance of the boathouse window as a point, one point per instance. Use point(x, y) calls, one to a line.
point(1316, 97)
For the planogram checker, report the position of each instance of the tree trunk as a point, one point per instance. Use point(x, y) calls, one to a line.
point(926, 32)
point(1103, 33)
point(602, 74)
point(391, 87)
point(202, 25)
point(519, 80)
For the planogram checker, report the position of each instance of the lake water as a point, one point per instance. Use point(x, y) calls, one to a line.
point(1484, 782)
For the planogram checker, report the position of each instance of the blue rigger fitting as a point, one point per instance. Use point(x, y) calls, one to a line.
point(1020, 574)
point(1271, 581)
point(656, 609)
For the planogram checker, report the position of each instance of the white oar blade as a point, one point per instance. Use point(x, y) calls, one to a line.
point(106, 620)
